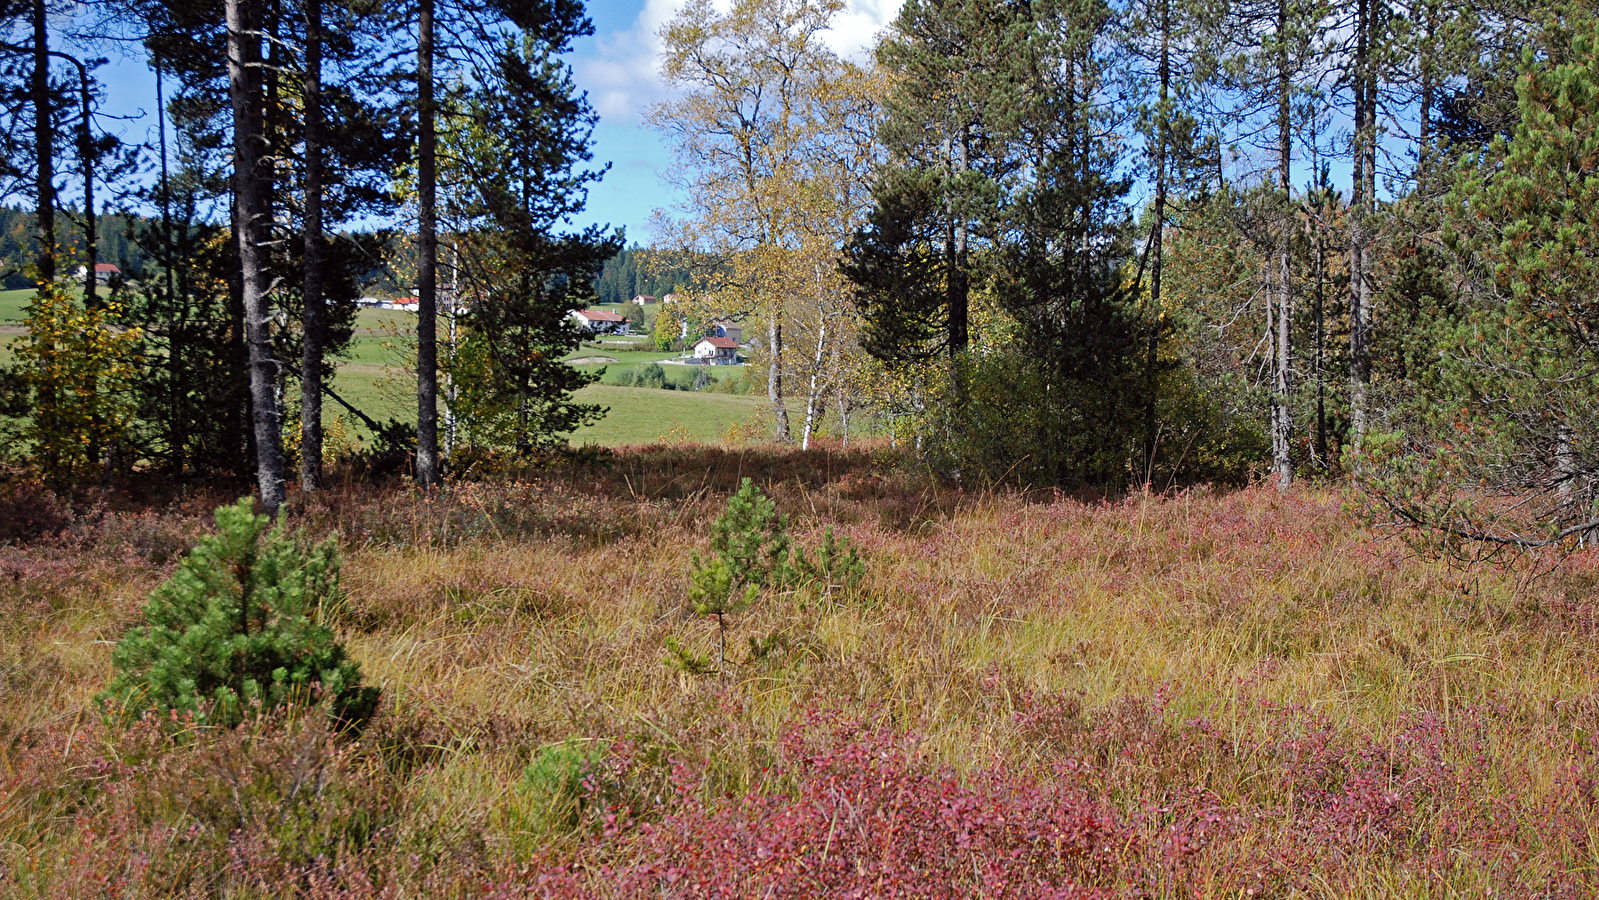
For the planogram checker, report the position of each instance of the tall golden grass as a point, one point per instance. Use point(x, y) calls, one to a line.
point(1257, 695)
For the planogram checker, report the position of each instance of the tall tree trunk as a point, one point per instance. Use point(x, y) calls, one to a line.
point(311, 359)
point(1359, 254)
point(175, 436)
point(249, 222)
point(91, 236)
point(811, 395)
point(44, 143)
point(1157, 240)
point(427, 350)
point(1282, 433)
point(1321, 344)
point(1428, 83)
point(958, 287)
point(452, 391)
point(774, 374)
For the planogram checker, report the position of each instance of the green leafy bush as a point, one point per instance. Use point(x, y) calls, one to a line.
point(237, 625)
point(650, 375)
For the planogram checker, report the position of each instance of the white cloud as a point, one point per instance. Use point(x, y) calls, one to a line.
point(621, 72)
point(855, 30)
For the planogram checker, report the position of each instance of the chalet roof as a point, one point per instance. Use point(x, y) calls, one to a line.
point(721, 343)
point(107, 268)
point(600, 315)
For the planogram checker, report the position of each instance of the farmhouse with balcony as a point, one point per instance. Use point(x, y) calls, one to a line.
point(716, 351)
point(598, 321)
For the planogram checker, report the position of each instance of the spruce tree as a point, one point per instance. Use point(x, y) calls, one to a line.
point(517, 149)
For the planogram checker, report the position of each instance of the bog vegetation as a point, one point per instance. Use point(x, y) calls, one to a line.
point(1208, 693)
point(1167, 467)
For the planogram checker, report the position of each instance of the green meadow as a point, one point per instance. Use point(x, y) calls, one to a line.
point(374, 375)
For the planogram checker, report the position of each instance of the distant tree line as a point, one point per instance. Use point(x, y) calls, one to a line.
point(635, 270)
point(19, 245)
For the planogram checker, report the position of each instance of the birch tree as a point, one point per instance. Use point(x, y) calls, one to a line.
point(771, 192)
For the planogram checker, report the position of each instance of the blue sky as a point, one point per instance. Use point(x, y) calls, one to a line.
point(617, 67)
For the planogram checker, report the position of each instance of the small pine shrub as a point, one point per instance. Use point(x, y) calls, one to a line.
point(751, 544)
point(236, 626)
point(837, 566)
point(552, 785)
point(750, 539)
point(754, 552)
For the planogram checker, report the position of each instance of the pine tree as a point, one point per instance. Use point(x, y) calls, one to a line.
point(240, 623)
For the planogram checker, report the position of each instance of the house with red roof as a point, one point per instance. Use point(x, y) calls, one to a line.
point(716, 351)
point(103, 272)
point(598, 321)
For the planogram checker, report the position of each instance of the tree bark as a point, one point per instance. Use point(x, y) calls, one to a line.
point(427, 361)
point(249, 222)
point(175, 436)
point(1321, 343)
point(810, 397)
point(1282, 433)
point(774, 375)
point(959, 286)
point(1360, 206)
point(311, 358)
point(86, 159)
point(44, 143)
point(1157, 239)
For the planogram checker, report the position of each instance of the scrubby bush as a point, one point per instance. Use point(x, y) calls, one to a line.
point(650, 375)
point(237, 625)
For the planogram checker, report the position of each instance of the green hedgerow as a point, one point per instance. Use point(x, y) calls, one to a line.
point(236, 625)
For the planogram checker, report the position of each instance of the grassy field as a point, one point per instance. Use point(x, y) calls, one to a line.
point(373, 377)
point(373, 374)
point(11, 315)
point(11, 304)
point(1204, 695)
point(646, 415)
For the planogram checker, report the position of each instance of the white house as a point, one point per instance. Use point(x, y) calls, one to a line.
point(642, 299)
point(717, 351)
point(598, 321)
point(103, 272)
